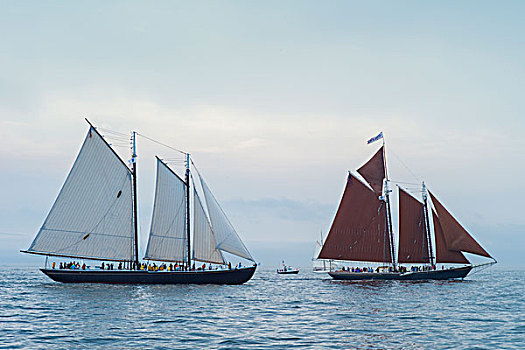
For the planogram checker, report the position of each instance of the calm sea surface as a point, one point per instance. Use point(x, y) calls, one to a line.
point(307, 311)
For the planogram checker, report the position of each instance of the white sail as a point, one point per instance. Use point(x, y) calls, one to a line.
point(167, 239)
point(204, 245)
point(318, 264)
point(226, 237)
point(92, 216)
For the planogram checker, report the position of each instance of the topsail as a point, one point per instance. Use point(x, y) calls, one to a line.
point(374, 171)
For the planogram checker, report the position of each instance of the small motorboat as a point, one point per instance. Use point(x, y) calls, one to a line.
point(287, 270)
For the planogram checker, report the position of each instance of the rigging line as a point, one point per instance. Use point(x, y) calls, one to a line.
point(118, 142)
point(482, 267)
point(405, 183)
point(122, 141)
point(195, 167)
point(406, 167)
point(162, 144)
point(119, 137)
point(112, 132)
point(11, 234)
point(115, 136)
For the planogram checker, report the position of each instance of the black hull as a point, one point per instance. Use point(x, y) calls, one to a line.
point(236, 276)
point(294, 272)
point(448, 274)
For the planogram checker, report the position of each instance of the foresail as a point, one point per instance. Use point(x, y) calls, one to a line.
point(167, 239)
point(374, 171)
point(226, 237)
point(359, 231)
point(204, 245)
point(92, 216)
point(413, 243)
point(456, 237)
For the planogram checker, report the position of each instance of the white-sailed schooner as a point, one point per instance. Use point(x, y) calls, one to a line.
point(95, 218)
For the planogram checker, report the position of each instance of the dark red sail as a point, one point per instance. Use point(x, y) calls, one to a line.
point(374, 171)
point(359, 231)
point(456, 237)
point(443, 255)
point(413, 243)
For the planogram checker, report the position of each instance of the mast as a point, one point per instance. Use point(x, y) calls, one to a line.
point(188, 208)
point(427, 226)
point(389, 223)
point(388, 212)
point(322, 243)
point(135, 216)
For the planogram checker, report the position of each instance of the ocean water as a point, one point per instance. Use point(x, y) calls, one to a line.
point(306, 311)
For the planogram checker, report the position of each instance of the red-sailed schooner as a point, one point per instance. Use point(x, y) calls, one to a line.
point(362, 232)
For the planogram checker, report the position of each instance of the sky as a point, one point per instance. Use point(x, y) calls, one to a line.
point(275, 101)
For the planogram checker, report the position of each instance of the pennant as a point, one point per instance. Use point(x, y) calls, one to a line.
point(374, 139)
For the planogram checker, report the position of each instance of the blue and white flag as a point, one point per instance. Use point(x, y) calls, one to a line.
point(374, 139)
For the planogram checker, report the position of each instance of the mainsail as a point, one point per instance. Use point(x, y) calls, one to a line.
point(167, 240)
point(359, 231)
point(374, 171)
point(413, 243)
point(455, 236)
point(226, 237)
point(92, 216)
point(204, 245)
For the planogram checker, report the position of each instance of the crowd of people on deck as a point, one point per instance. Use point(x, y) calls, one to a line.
point(359, 269)
point(400, 269)
point(145, 267)
point(422, 268)
point(70, 265)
